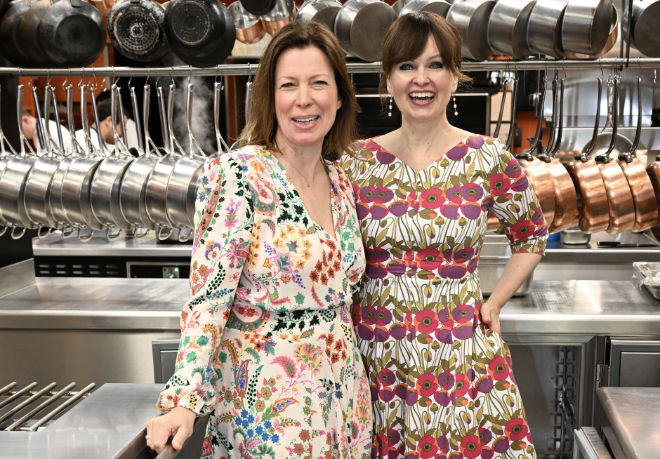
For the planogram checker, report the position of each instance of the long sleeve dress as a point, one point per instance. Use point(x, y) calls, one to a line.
point(441, 382)
point(267, 344)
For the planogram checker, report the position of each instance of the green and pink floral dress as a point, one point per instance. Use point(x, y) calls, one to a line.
point(441, 382)
point(267, 344)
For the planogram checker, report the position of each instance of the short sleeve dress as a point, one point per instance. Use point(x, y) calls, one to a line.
point(267, 344)
point(441, 382)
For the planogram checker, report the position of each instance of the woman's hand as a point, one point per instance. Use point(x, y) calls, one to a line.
point(490, 315)
point(176, 423)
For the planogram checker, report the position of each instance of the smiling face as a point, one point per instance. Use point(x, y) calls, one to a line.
point(306, 98)
point(423, 86)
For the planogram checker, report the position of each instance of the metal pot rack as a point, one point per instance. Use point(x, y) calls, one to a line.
point(353, 67)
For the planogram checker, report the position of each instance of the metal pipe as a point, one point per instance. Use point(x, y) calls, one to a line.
point(353, 67)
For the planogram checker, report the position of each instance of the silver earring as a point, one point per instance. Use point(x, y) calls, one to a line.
point(455, 106)
point(389, 108)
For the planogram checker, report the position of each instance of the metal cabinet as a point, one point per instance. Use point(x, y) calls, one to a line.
point(634, 363)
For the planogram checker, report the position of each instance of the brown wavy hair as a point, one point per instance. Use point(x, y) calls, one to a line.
point(406, 39)
point(262, 126)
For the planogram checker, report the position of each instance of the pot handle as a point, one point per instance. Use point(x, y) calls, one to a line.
point(140, 232)
point(67, 231)
point(17, 232)
point(85, 237)
point(42, 235)
point(3, 230)
point(185, 234)
point(163, 233)
point(111, 236)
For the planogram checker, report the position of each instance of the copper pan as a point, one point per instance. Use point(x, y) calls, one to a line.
point(646, 206)
point(592, 197)
point(278, 17)
point(249, 27)
point(622, 206)
point(566, 205)
point(654, 174)
point(535, 169)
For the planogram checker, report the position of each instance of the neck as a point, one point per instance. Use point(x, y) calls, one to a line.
point(421, 136)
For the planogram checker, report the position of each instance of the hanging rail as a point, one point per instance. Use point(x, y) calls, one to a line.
point(353, 67)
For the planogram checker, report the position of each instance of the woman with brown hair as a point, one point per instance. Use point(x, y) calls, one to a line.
point(267, 345)
point(439, 371)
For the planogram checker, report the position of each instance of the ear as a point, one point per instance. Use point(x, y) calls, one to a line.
point(338, 103)
point(389, 86)
point(454, 82)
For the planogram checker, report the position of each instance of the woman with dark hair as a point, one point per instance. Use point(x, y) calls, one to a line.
point(267, 345)
point(440, 373)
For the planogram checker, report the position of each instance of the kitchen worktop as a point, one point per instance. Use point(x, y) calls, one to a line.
point(98, 427)
point(560, 308)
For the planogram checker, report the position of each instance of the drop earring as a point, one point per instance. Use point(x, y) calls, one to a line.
point(453, 98)
point(389, 108)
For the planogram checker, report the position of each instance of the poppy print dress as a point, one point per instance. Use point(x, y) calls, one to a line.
point(267, 344)
point(441, 381)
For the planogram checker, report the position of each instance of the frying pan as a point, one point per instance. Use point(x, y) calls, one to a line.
point(28, 33)
point(72, 32)
point(137, 29)
point(470, 17)
point(360, 26)
point(566, 206)
point(200, 32)
point(9, 38)
point(646, 207)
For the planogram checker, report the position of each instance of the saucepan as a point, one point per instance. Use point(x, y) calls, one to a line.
point(360, 27)
point(470, 17)
point(4, 159)
point(323, 11)
point(439, 7)
point(249, 27)
point(507, 27)
point(646, 208)
point(544, 27)
point(279, 16)
point(258, 7)
point(586, 25)
point(644, 23)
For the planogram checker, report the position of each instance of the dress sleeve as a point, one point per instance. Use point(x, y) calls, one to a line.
point(223, 222)
point(513, 201)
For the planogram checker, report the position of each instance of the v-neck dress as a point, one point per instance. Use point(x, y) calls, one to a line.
point(267, 344)
point(441, 382)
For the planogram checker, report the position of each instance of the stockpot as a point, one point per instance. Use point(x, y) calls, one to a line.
point(544, 27)
point(360, 26)
point(249, 27)
point(470, 17)
point(323, 11)
point(507, 27)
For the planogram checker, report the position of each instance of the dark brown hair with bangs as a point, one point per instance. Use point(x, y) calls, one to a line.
point(262, 126)
point(407, 36)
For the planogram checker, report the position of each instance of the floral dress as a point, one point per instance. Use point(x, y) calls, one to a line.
point(267, 344)
point(441, 382)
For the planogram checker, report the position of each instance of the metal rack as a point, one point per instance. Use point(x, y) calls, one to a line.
point(353, 67)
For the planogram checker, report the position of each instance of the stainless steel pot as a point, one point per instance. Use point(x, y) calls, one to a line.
point(279, 16)
point(644, 23)
point(470, 17)
point(507, 27)
point(106, 183)
point(249, 27)
point(360, 26)
point(544, 27)
point(439, 7)
point(323, 11)
point(586, 25)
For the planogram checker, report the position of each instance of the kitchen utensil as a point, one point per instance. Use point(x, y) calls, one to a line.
point(10, 42)
point(137, 29)
point(28, 34)
point(277, 17)
point(586, 25)
point(646, 207)
point(220, 141)
point(200, 32)
point(470, 17)
point(249, 27)
point(643, 27)
point(258, 7)
point(72, 32)
point(507, 27)
point(439, 7)
point(323, 11)
point(544, 27)
point(621, 207)
point(360, 26)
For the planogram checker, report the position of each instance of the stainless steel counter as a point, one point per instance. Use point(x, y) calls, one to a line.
point(98, 427)
point(633, 417)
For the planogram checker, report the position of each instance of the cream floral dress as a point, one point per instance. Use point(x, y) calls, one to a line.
point(267, 344)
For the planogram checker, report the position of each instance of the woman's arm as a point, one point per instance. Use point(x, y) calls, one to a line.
point(519, 267)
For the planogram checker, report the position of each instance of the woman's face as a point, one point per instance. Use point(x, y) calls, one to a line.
point(423, 86)
point(306, 98)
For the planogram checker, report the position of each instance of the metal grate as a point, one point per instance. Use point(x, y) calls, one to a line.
point(29, 408)
point(79, 267)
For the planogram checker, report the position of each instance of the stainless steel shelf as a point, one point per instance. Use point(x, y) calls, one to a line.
point(353, 67)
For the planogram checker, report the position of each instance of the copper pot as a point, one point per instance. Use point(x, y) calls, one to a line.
point(278, 17)
point(249, 28)
point(646, 206)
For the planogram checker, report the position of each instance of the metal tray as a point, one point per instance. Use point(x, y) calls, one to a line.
point(647, 274)
point(494, 256)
